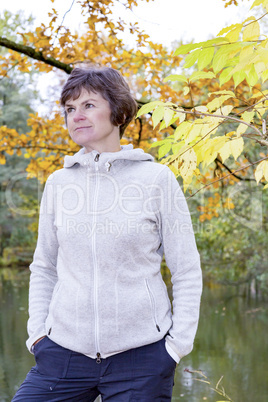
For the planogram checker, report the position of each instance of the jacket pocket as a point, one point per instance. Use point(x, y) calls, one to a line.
point(152, 303)
point(50, 319)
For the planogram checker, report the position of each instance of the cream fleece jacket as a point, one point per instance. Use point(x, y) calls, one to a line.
point(95, 286)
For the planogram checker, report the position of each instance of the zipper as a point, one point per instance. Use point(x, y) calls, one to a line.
point(95, 267)
point(153, 305)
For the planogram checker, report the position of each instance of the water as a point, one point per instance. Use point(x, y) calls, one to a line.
point(231, 342)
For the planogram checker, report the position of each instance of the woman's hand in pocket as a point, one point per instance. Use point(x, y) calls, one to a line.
point(38, 340)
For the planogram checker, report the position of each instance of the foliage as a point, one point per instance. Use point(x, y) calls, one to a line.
point(100, 43)
point(222, 126)
point(18, 196)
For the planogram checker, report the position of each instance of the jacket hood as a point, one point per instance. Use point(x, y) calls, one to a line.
point(126, 153)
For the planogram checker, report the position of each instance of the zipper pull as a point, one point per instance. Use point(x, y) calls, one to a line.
point(98, 361)
point(108, 166)
point(96, 159)
point(158, 328)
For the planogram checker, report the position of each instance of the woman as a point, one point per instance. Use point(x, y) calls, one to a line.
point(100, 318)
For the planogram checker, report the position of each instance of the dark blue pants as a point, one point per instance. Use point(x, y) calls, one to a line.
point(144, 374)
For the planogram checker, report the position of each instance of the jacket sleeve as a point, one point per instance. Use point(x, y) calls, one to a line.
point(182, 258)
point(43, 275)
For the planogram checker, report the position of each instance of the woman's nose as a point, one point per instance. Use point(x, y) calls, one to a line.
point(78, 115)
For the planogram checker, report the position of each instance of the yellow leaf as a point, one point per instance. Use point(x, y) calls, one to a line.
point(157, 115)
point(2, 159)
point(182, 130)
point(251, 31)
point(224, 92)
point(186, 90)
point(225, 151)
point(168, 115)
point(248, 116)
point(217, 102)
point(260, 67)
point(241, 129)
point(264, 76)
point(259, 2)
point(233, 35)
point(195, 131)
point(261, 171)
point(237, 146)
point(211, 149)
point(246, 52)
point(188, 166)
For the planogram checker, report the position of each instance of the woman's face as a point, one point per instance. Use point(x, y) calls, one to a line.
point(89, 124)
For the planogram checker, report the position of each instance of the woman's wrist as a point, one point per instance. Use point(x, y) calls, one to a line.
point(39, 339)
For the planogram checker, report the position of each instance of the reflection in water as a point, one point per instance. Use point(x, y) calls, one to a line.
point(231, 342)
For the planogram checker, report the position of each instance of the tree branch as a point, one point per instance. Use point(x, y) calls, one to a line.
point(34, 54)
point(224, 177)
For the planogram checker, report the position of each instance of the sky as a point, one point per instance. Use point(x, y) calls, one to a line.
point(164, 20)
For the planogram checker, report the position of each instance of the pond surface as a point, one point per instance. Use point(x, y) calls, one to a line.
point(231, 342)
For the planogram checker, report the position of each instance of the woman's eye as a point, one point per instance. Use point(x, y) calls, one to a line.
point(69, 109)
point(89, 105)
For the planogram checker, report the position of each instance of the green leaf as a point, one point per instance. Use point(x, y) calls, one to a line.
point(226, 54)
point(148, 107)
point(252, 76)
point(164, 149)
point(200, 75)
point(163, 124)
point(175, 77)
point(205, 57)
point(216, 41)
point(184, 49)
point(176, 147)
point(238, 77)
point(228, 29)
point(220, 60)
point(157, 144)
point(158, 115)
point(226, 75)
point(191, 58)
point(264, 76)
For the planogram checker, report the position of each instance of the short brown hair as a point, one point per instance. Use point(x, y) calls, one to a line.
point(110, 84)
